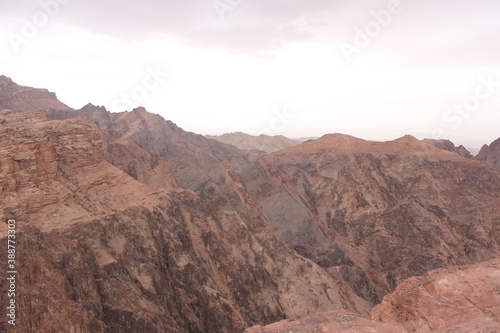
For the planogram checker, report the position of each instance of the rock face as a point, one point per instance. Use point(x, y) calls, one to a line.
point(458, 299)
point(130, 224)
point(262, 142)
point(490, 154)
point(33, 151)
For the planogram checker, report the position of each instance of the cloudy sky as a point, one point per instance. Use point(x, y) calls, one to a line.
point(373, 69)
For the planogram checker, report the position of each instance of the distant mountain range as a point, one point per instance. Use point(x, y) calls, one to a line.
point(262, 142)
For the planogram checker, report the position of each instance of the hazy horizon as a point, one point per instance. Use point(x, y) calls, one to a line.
point(376, 70)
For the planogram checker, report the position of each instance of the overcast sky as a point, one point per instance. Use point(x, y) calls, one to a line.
point(373, 69)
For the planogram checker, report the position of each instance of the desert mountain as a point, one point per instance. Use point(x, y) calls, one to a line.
point(262, 142)
point(142, 226)
point(375, 213)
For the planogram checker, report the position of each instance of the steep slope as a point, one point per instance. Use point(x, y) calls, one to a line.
point(375, 213)
point(458, 299)
point(262, 142)
point(490, 154)
point(102, 252)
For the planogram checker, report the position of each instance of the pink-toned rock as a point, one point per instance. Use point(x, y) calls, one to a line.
point(458, 299)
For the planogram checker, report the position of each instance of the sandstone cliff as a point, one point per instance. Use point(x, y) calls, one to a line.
point(359, 209)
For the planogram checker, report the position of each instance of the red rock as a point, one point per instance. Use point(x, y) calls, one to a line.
point(457, 299)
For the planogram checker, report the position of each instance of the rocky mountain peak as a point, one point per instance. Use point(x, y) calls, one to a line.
point(490, 154)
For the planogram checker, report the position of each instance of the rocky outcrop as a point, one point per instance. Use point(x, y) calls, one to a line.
point(457, 299)
point(490, 154)
point(262, 142)
point(158, 136)
point(34, 152)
